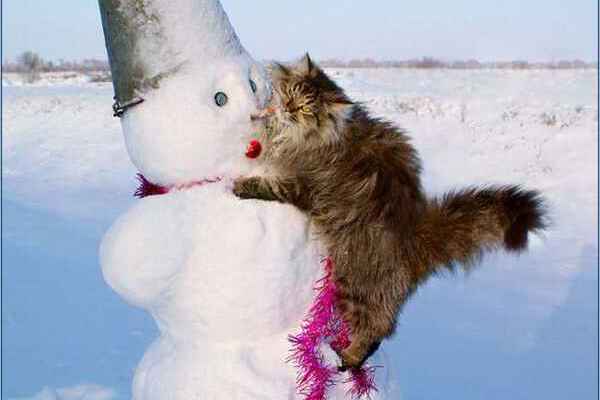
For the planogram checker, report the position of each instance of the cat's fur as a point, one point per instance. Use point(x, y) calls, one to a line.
point(358, 179)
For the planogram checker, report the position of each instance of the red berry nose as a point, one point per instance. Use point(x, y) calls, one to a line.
point(254, 149)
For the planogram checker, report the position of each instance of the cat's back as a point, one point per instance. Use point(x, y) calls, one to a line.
point(377, 146)
point(372, 180)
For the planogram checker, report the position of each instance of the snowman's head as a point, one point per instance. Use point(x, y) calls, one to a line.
point(197, 123)
point(198, 85)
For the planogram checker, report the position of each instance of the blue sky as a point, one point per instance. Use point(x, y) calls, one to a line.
point(537, 30)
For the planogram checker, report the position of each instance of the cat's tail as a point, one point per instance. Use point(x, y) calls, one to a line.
point(460, 225)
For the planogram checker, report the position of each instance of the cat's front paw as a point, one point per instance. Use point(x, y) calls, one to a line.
point(246, 188)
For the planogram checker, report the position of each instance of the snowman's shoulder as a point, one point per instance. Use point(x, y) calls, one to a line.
point(208, 207)
point(143, 250)
point(148, 245)
point(219, 205)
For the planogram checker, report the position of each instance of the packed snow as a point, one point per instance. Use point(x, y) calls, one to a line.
point(520, 327)
point(226, 280)
point(79, 392)
point(12, 79)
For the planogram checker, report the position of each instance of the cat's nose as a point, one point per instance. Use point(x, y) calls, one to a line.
point(262, 114)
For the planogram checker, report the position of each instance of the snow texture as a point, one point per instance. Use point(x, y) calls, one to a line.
point(517, 327)
point(226, 280)
point(80, 392)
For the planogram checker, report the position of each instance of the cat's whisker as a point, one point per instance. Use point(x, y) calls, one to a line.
point(263, 114)
point(257, 117)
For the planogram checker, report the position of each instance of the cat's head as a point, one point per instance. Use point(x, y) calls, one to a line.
point(307, 105)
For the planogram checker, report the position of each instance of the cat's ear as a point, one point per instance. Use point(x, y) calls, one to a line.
point(306, 65)
point(340, 106)
point(337, 99)
point(278, 71)
point(282, 68)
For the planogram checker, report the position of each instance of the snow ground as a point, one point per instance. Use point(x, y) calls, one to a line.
point(518, 327)
point(13, 79)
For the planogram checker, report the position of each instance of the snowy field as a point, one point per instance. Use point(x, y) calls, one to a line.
point(516, 328)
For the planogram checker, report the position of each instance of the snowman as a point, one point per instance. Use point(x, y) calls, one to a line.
point(226, 280)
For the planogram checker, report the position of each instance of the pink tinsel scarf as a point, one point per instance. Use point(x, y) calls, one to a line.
point(147, 188)
point(322, 325)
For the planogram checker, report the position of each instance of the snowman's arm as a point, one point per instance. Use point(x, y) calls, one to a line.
point(290, 190)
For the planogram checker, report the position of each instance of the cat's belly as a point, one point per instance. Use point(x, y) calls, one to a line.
point(211, 266)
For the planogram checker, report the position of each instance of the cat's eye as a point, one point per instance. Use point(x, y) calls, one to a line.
point(253, 86)
point(221, 99)
point(305, 110)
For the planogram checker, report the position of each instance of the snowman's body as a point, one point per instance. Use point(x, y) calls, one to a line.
point(226, 280)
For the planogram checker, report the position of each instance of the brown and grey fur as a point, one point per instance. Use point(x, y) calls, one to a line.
point(357, 177)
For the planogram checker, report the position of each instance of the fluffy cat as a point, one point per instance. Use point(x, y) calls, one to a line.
point(357, 177)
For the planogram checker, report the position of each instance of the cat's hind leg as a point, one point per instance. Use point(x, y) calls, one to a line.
point(348, 363)
point(368, 327)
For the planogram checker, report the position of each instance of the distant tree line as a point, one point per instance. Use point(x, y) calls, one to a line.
point(30, 60)
point(434, 63)
point(31, 65)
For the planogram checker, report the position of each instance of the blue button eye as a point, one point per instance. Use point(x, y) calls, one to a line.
point(221, 99)
point(253, 86)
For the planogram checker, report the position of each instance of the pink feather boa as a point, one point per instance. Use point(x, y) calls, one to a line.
point(323, 326)
point(147, 188)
